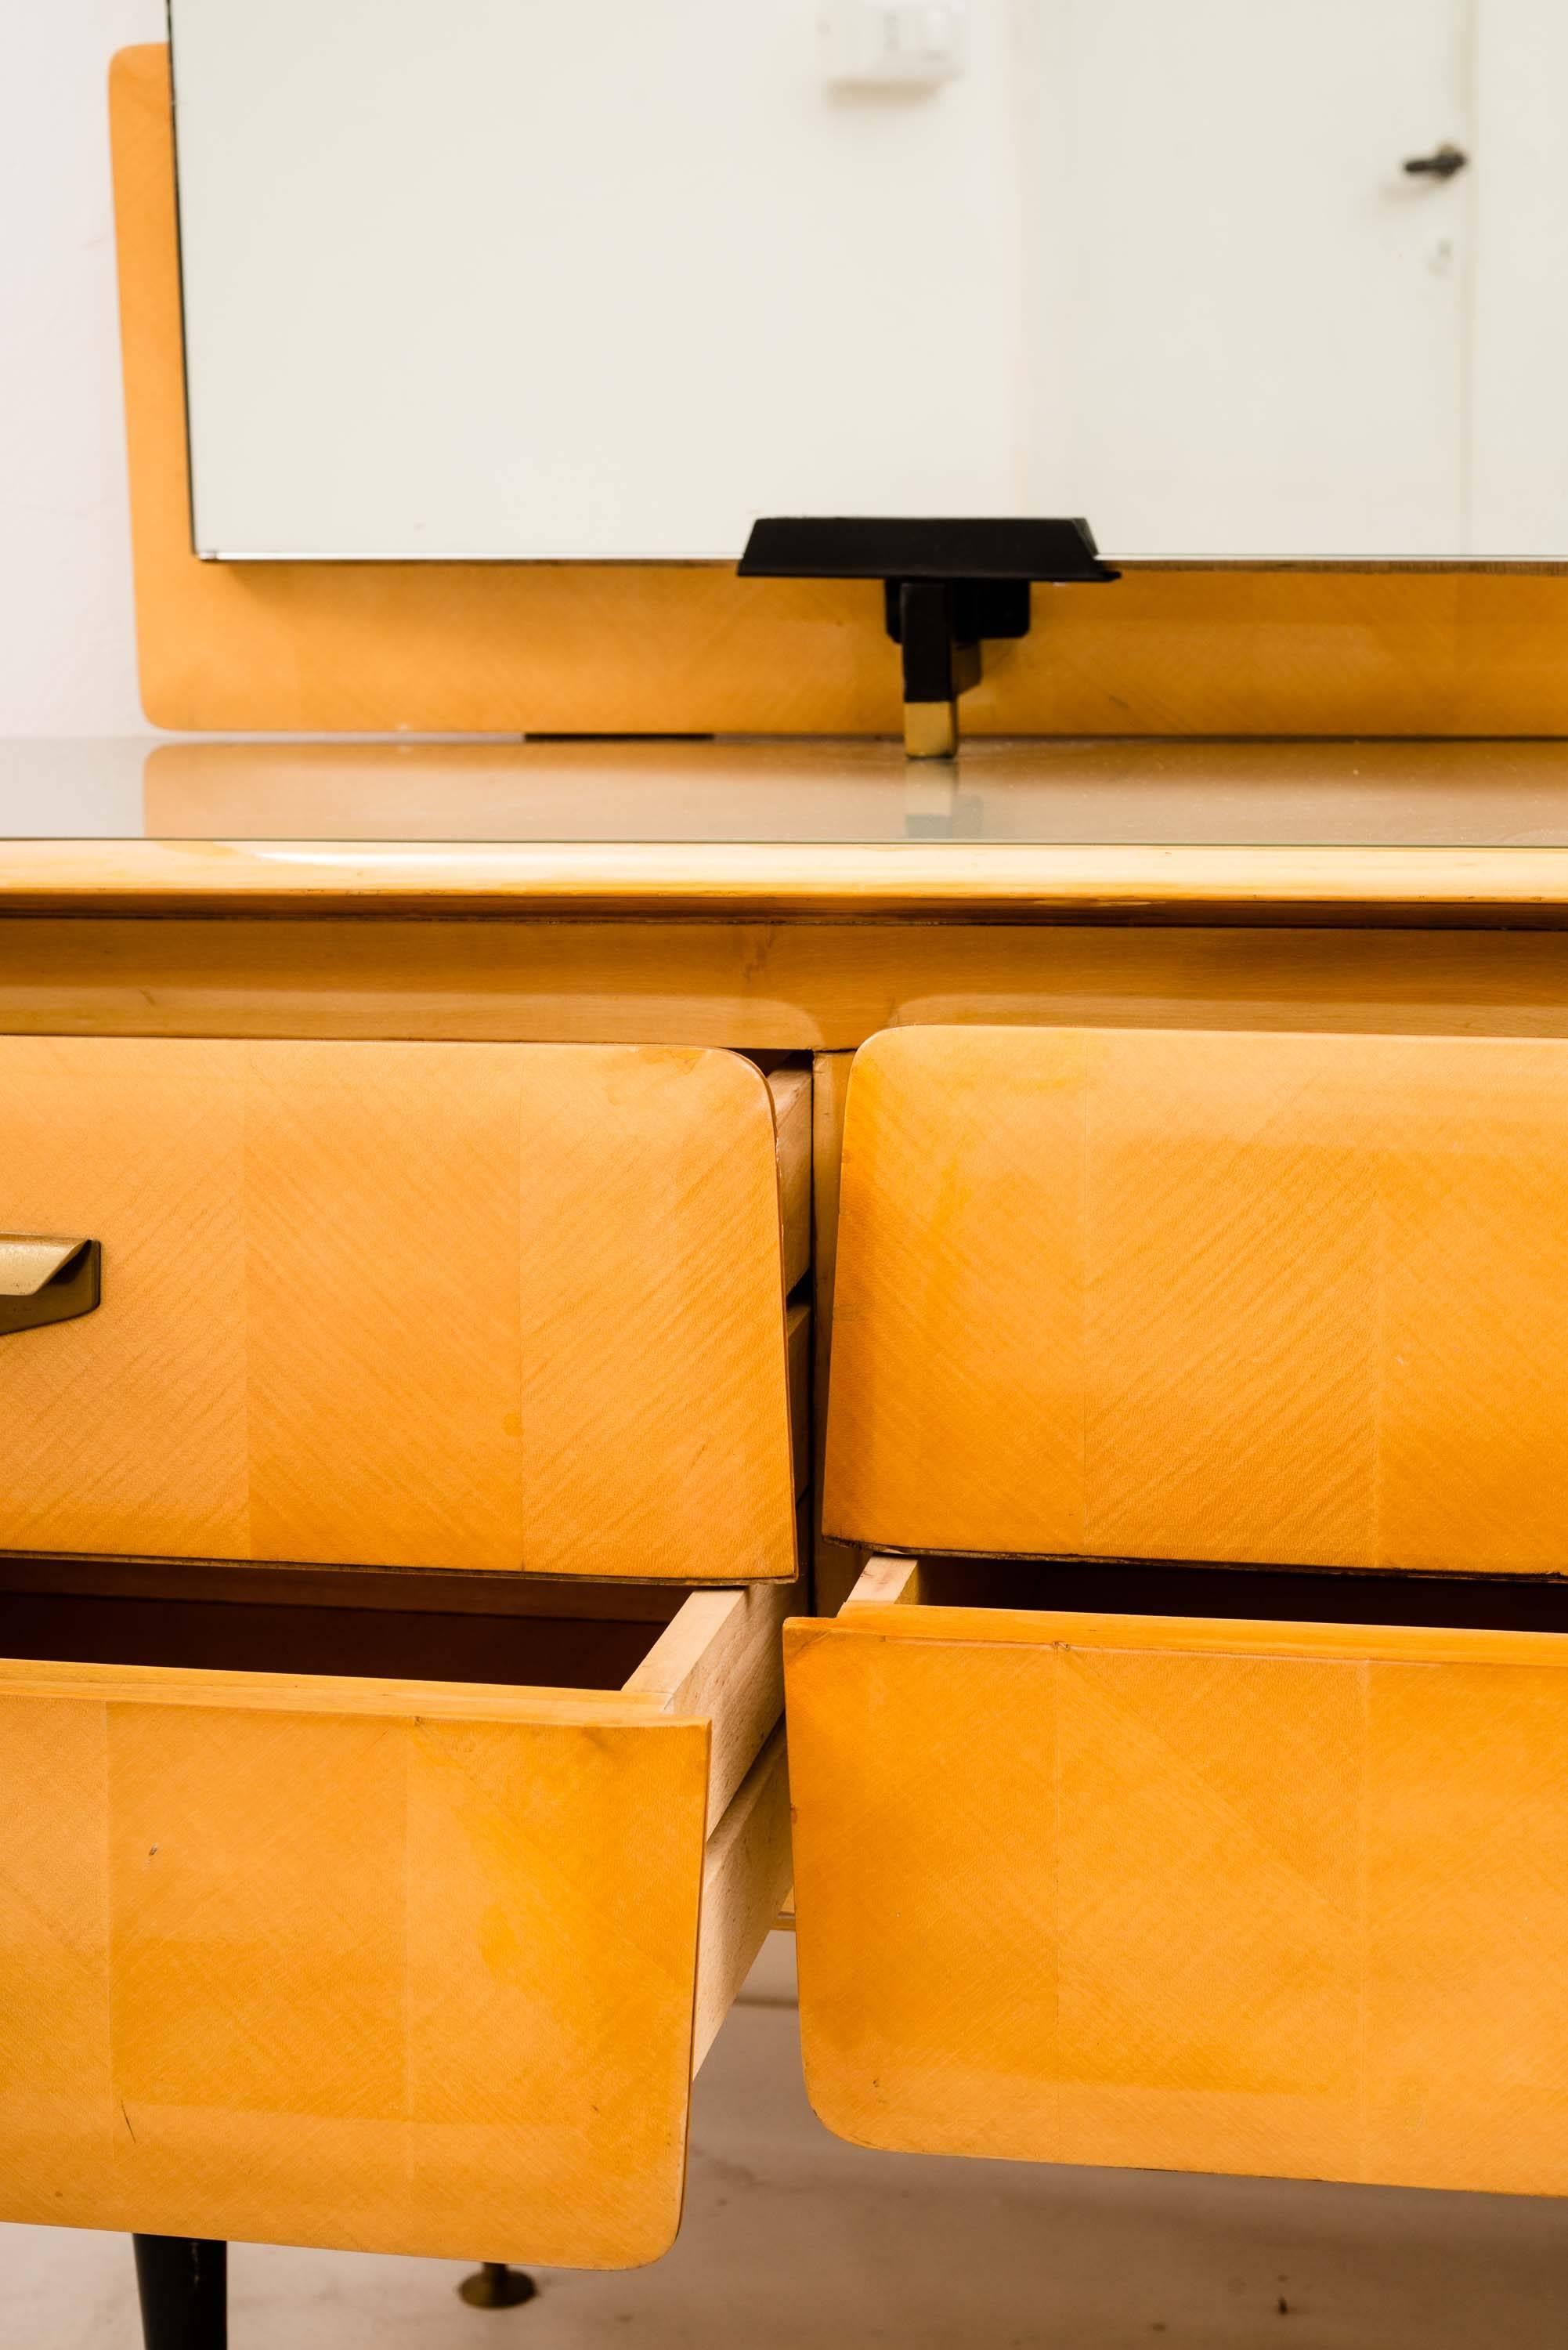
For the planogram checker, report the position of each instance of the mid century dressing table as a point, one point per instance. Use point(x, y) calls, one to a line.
point(1209, 799)
point(358, 898)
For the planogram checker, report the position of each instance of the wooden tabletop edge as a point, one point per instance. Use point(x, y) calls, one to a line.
point(934, 880)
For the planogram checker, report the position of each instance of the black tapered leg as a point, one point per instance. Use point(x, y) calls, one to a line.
point(183, 2282)
point(496, 2286)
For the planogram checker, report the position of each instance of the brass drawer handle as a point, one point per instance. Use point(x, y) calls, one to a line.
point(43, 1280)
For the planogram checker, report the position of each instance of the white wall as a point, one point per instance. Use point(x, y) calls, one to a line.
point(66, 650)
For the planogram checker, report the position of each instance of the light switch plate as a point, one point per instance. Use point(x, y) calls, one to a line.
point(892, 43)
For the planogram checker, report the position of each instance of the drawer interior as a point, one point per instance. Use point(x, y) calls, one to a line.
point(214, 1617)
point(1250, 1595)
point(360, 1643)
point(684, 1650)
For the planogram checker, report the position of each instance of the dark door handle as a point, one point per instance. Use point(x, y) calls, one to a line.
point(1441, 164)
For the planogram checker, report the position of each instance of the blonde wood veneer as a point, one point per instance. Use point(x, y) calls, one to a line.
point(791, 1092)
point(1290, 1298)
point(989, 881)
point(1210, 1896)
point(379, 1965)
point(816, 986)
point(835, 1564)
point(470, 1306)
point(745, 1886)
point(720, 1658)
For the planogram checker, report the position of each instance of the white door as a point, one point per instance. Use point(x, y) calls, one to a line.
point(1249, 328)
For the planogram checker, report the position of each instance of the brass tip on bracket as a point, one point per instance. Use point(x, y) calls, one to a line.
point(938, 625)
point(930, 729)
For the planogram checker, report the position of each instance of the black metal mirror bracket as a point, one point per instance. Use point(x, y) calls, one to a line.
point(949, 586)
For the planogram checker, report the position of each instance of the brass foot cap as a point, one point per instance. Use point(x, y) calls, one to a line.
point(496, 2286)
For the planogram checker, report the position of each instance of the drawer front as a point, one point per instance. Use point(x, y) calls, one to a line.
point(375, 1966)
point(1196, 1896)
point(464, 1305)
point(1263, 1298)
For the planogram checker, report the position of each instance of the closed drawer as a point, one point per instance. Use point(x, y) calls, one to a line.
point(1220, 1891)
point(1196, 1295)
point(377, 1960)
point(475, 1307)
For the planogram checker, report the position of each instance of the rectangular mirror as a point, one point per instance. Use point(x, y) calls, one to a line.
point(608, 279)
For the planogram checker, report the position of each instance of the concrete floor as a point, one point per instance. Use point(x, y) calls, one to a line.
point(794, 2240)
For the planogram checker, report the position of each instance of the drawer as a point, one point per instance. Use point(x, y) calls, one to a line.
point(1285, 1299)
point(473, 1306)
point(1240, 1885)
point(418, 1958)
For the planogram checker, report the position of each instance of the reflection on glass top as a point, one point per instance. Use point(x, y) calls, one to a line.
point(1153, 793)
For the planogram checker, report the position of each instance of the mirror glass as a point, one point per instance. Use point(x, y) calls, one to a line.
point(608, 279)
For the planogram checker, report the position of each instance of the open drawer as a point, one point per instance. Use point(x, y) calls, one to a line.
point(1197, 1870)
point(409, 1939)
point(472, 1307)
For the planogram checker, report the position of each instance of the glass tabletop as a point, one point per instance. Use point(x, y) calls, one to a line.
point(1113, 791)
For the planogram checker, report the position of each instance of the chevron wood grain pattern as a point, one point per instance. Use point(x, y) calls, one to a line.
point(378, 1965)
point(1283, 1299)
point(402, 1304)
point(498, 648)
point(1212, 1897)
